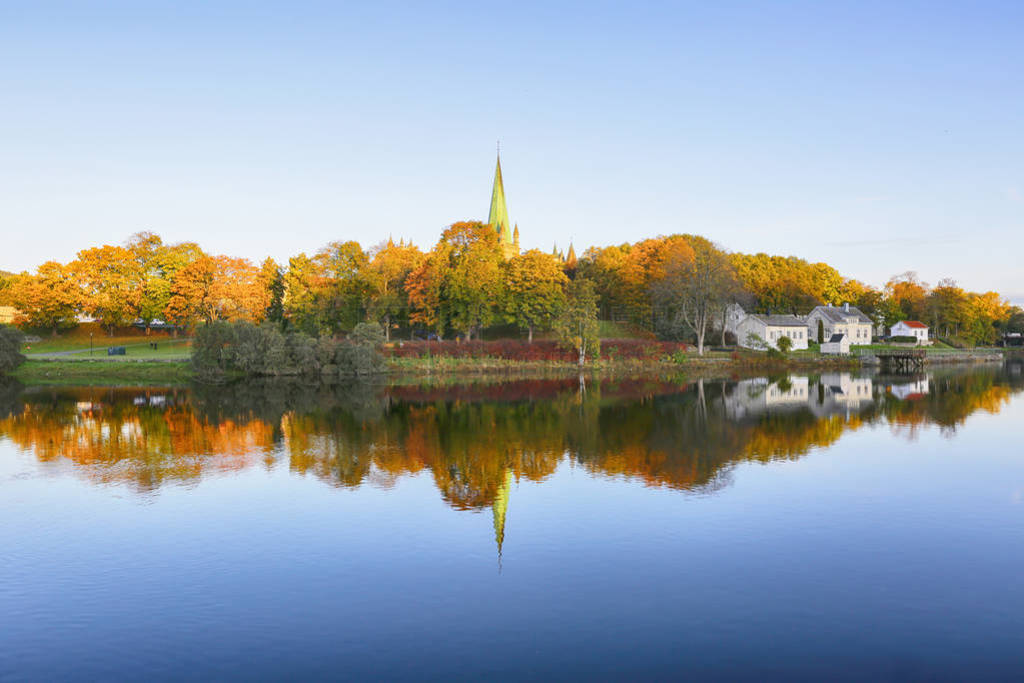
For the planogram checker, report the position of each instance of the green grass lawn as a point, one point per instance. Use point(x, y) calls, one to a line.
point(102, 373)
point(136, 347)
point(936, 347)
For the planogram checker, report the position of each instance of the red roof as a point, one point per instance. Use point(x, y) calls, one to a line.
point(914, 323)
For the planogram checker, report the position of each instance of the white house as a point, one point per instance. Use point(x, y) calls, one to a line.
point(751, 327)
point(825, 321)
point(838, 344)
point(910, 328)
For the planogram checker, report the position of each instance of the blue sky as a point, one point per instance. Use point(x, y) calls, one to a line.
point(878, 137)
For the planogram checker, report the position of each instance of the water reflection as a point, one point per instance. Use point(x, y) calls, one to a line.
point(476, 440)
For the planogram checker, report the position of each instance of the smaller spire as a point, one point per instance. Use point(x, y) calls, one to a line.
point(570, 259)
point(391, 242)
point(554, 249)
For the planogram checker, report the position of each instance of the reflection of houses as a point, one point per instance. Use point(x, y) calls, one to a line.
point(752, 328)
point(825, 321)
point(835, 393)
point(792, 391)
point(909, 391)
point(840, 391)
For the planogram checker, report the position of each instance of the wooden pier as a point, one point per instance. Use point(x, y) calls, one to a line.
point(902, 361)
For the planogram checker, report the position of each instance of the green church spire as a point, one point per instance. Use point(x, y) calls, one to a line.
point(498, 216)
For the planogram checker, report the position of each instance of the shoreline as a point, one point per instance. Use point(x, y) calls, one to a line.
point(95, 372)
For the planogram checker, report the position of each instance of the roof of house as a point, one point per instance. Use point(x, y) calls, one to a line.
point(838, 314)
point(836, 338)
point(913, 323)
point(780, 320)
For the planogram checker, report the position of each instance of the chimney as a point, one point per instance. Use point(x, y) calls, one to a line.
point(846, 307)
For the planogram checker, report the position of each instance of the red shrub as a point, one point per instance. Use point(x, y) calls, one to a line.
point(519, 350)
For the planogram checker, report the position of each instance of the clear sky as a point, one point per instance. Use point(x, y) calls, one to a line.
point(876, 136)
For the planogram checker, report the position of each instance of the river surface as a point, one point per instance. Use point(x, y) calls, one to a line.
point(834, 526)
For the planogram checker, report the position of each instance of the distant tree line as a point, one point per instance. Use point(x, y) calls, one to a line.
point(676, 287)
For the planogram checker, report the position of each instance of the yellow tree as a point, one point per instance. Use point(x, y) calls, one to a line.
point(534, 291)
point(385, 277)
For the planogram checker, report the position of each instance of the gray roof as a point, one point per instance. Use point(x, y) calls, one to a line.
point(780, 320)
point(838, 314)
point(836, 338)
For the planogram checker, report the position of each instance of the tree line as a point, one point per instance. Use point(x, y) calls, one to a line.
point(676, 286)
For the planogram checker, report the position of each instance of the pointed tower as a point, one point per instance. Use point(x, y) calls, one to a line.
point(515, 238)
point(498, 216)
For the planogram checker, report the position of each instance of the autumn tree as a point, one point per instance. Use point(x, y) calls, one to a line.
point(190, 288)
point(694, 290)
point(459, 284)
point(164, 262)
point(112, 283)
point(238, 291)
point(342, 267)
point(385, 276)
point(50, 299)
point(907, 295)
point(535, 290)
point(577, 325)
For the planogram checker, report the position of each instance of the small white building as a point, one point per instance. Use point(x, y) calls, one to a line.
point(837, 345)
point(825, 321)
point(910, 328)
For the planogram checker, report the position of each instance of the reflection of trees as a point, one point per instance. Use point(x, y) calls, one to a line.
point(472, 443)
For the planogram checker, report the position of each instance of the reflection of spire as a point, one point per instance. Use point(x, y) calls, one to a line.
point(499, 508)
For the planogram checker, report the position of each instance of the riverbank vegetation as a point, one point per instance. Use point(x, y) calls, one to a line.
point(221, 350)
point(672, 288)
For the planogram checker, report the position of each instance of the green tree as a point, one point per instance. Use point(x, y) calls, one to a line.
point(10, 349)
point(577, 326)
point(342, 267)
point(272, 280)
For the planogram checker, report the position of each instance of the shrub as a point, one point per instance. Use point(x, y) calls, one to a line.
point(785, 345)
point(10, 349)
point(221, 348)
point(903, 339)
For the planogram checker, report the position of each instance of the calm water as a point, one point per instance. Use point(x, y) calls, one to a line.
point(827, 526)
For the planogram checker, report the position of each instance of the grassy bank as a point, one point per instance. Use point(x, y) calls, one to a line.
point(82, 371)
point(85, 372)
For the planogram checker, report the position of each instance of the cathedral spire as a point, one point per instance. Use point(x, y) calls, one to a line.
point(498, 217)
